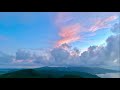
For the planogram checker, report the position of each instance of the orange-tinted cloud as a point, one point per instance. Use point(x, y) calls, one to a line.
point(70, 30)
point(102, 23)
point(68, 34)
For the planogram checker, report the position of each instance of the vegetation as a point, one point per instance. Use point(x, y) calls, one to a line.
point(56, 72)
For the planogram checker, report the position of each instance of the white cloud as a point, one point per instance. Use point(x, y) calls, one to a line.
point(107, 56)
point(109, 75)
point(116, 28)
point(5, 58)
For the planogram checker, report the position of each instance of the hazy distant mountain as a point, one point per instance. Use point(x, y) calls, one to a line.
point(3, 71)
point(32, 73)
point(58, 72)
point(92, 70)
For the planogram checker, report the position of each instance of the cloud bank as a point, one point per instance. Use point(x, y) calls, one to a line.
point(65, 55)
point(109, 75)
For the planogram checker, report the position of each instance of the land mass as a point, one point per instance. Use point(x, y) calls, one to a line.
point(57, 72)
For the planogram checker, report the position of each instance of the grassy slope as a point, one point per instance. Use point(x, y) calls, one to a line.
point(91, 70)
point(31, 73)
point(57, 72)
point(3, 71)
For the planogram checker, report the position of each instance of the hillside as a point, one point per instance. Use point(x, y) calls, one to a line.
point(3, 71)
point(91, 70)
point(31, 73)
point(58, 72)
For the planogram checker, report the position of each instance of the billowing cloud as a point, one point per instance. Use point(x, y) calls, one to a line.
point(65, 55)
point(102, 56)
point(23, 55)
point(116, 28)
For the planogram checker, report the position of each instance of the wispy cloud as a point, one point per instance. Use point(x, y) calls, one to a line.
point(63, 18)
point(102, 23)
point(71, 30)
point(68, 30)
point(69, 34)
point(101, 56)
point(109, 75)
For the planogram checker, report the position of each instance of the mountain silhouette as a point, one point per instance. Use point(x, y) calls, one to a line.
point(58, 72)
point(33, 73)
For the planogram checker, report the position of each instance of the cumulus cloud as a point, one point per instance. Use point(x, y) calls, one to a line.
point(31, 57)
point(65, 55)
point(102, 56)
point(23, 55)
point(116, 28)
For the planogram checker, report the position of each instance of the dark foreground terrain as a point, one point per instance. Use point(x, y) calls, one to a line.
point(57, 72)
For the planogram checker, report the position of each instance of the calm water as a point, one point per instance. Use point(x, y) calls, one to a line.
point(109, 75)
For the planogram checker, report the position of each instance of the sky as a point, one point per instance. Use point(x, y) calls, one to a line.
point(43, 32)
point(26, 30)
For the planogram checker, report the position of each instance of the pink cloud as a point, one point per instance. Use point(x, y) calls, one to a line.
point(71, 30)
point(102, 23)
point(21, 61)
point(111, 18)
point(68, 33)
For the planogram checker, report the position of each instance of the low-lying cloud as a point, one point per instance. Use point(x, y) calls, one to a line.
point(109, 75)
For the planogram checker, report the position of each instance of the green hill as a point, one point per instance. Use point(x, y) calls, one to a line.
point(57, 72)
point(91, 70)
point(32, 73)
point(7, 70)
